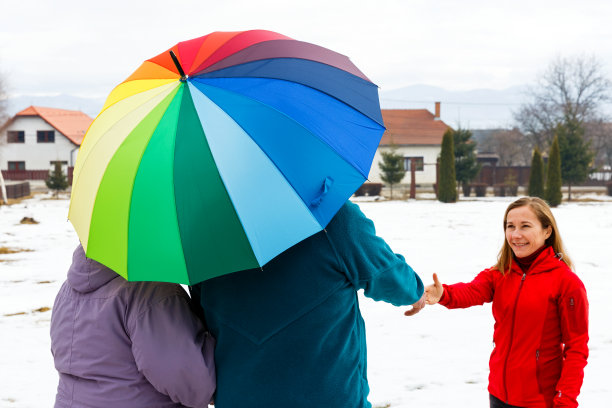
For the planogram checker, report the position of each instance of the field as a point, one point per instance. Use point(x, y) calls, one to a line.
point(438, 358)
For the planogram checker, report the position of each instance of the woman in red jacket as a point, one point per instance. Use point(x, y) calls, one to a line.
point(540, 309)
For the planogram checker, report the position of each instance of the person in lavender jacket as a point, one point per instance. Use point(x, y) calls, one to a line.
point(127, 344)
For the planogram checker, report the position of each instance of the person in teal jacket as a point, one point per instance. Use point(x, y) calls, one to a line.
point(291, 334)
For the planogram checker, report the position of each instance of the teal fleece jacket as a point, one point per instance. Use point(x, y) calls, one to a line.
point(291, 334)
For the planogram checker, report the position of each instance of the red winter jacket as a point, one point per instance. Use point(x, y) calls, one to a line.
point(540, 332)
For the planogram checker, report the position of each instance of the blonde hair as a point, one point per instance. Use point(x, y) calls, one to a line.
point(544, 215)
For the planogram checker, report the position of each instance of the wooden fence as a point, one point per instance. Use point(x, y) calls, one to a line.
point(17, 190)
point(19, 175)
point(496, 175)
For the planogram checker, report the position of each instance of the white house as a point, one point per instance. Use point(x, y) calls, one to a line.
point(37, 137)
point(417, 135)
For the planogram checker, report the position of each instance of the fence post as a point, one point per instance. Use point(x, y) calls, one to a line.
point(412, 178)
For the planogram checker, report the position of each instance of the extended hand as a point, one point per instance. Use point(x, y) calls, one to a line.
point(434, 292)
point(416, 307)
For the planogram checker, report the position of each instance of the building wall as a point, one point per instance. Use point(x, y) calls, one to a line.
point(37, 156)
point(428, 152)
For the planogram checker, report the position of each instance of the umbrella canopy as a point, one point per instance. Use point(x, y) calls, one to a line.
point(220, 153)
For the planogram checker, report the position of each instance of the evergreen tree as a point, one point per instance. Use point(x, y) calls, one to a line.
point(576, 155)
point(392, 168)
point(552, 192)
point(447, 187)
point(536, 175)
point(466, 165)
point(57, 180)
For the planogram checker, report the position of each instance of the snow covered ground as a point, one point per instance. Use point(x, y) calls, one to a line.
point(438, 358)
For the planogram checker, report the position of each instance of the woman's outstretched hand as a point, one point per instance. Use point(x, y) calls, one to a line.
point(434, 292)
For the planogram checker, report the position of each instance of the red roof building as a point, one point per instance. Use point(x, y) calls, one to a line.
point(415, 134)
point(70, 123)
point(413, 127)
point(37, 137)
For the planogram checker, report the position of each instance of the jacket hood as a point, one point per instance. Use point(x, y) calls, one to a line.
point(86, 275)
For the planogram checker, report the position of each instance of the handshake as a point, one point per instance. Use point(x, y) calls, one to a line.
point(431, 296)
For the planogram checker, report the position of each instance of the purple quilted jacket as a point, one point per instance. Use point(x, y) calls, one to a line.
point(127, 344)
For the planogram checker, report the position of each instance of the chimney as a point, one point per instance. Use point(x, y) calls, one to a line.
point(437, 114)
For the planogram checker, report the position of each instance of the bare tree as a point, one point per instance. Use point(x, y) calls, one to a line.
point(509, 145)
point(3, 123)
point(599, 135)
point(571, 89)
point(3, 103)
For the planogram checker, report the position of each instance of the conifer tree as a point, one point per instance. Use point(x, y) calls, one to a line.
point(576, 155)
point(536, 175)
point(466, 165)
point(392, 168)
point(552, 192)
point(447, 187)
point(57, 180)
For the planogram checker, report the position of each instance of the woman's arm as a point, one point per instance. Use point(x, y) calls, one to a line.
point(461, 295)
point(574, 315)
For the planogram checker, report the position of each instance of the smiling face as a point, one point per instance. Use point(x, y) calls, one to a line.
point(524, 232)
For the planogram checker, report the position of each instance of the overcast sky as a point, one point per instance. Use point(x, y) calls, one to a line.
point(87, 47)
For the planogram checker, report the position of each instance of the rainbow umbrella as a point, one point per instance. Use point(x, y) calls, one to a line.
point(220, 153)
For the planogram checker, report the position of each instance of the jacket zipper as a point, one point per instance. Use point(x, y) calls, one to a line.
point(512, 335)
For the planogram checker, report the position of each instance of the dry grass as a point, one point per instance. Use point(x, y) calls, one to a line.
point(28, 220)
point(7, 250)
point(39, 310)
point(12, 201)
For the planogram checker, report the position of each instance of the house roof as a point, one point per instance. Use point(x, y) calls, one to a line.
point(70, 123)
point(412, 127)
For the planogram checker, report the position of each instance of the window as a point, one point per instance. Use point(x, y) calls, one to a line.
point(418, 162)
point(15, 136)
point(16, 165)
point(45, 136)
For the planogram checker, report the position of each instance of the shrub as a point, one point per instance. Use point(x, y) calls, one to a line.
point(392, 168)
point(369, 189)
point(480, 189)
point(536, 175)
point(500, 190)
point(510, 184)
point(57, 180)
point(447, 190)
point(552, 192)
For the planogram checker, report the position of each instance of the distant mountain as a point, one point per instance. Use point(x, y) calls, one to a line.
point(473, 109)
point(90, 106)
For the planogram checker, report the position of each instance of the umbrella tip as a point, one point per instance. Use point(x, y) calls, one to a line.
point(178, 66)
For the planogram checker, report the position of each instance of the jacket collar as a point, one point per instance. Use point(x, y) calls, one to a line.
point(545, 262)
